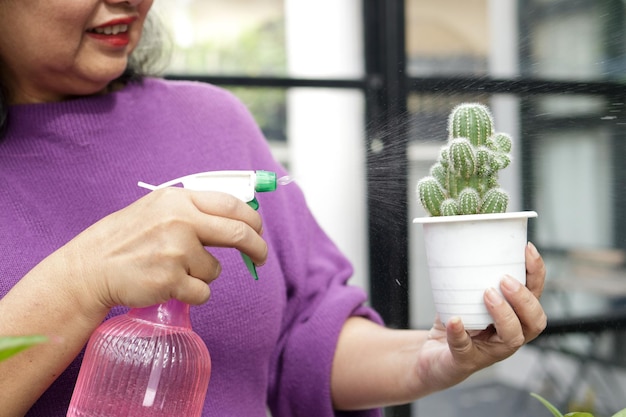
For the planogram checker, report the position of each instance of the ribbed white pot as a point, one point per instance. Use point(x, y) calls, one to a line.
point(467, 254)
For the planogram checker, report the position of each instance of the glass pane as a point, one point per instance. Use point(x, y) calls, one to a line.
point(573, 180)
point(428, 113)
point(243, 37)
point(583, 41)
point(546, 39)
point(447, 37)
point(265, 37)
point(562, 158)
point(571, 170)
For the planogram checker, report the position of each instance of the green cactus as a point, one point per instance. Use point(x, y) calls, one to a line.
point(464, 180)
point(431, 195)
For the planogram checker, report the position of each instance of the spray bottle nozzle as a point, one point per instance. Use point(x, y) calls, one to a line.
point(265, 181)
point(241, 184)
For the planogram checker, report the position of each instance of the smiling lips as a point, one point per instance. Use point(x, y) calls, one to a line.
point(114, 33)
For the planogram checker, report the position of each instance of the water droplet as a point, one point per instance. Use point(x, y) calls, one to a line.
point(285, 180)
point(377, 146)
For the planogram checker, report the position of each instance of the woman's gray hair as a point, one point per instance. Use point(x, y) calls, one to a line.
point(150, 58)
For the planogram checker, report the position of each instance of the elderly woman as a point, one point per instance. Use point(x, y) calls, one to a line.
point(81, 242)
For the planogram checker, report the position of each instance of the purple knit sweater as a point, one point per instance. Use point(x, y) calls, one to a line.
point(65, 165)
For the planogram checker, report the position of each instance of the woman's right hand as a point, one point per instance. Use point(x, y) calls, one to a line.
point(147, 253)
point(154, 249)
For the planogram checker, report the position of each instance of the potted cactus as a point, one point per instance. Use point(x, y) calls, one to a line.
point(471, 241)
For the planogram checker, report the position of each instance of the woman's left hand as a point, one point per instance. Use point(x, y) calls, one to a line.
point(451, 354)
point(375, 366)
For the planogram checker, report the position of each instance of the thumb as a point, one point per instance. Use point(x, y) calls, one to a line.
point(459, 340)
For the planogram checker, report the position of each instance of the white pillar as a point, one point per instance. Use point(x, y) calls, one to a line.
point(326, 126)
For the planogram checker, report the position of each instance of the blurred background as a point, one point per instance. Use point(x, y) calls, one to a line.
point(353, 97)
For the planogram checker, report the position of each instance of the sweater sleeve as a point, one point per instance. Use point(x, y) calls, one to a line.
point(319, 301)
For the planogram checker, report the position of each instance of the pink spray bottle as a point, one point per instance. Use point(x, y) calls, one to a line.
point(149, 362)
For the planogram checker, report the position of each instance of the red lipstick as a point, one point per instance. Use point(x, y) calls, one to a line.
point(114, 32)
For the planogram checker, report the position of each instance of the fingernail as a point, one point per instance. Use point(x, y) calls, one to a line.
point(454, 321)
point(533, 250)
point(493, 297)
point(455, 324)
point(510, 283)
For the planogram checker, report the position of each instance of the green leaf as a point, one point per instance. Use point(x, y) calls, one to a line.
point(547, 404)
point(621, 413)
point(578, 414)
point(11, 345)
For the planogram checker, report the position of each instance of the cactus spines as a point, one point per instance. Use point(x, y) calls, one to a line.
point(469, 201)
point(484, 162)
point(439, 173)
point(450, 207)
point(431, 195)
point(471, 121)
point(501, 142)
point(464, 180)
point(462, 158)
point(495, 201)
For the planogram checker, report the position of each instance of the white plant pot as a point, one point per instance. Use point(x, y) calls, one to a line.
point(467, 254)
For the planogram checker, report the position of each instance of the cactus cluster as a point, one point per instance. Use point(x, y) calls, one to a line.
point(464, 180)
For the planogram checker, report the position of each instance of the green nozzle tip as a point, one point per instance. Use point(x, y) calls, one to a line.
point(265, 181)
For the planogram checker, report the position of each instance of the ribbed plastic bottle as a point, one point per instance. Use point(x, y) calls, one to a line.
point(145, 363)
